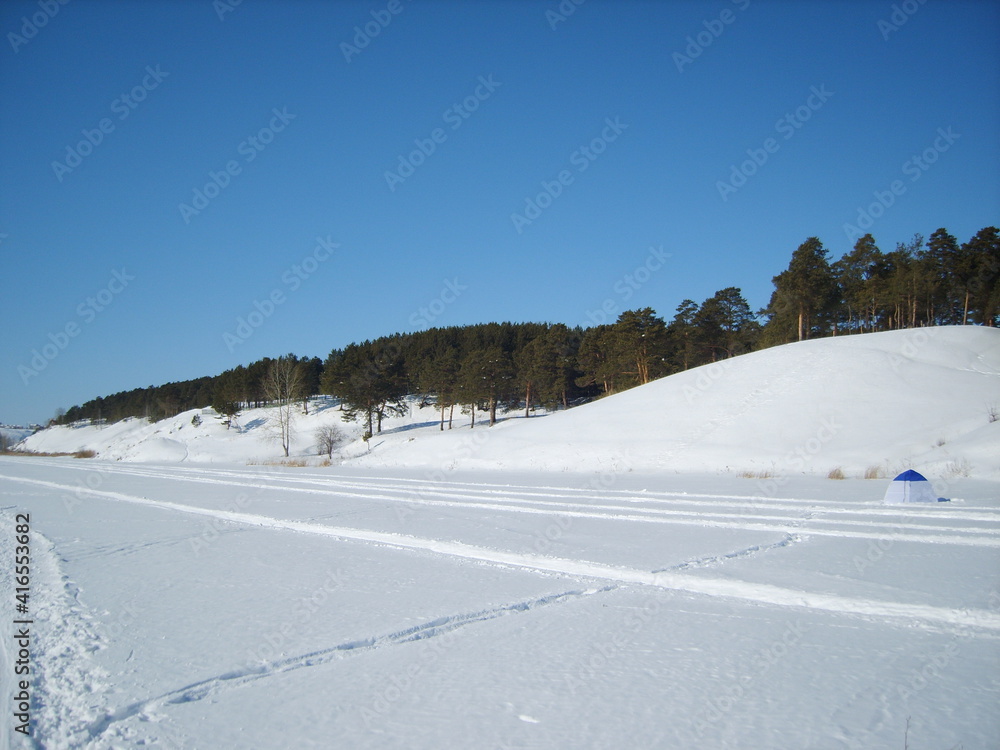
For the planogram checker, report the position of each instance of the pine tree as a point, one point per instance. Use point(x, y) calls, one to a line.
point(682, 333)
point(532, 371)
point(497, 376)
point(471, 389)
point(982, 285)
point(311, 370)
point(906, 286)
point(438, 377)
point(557, 351)
point(806, 292)
point(226, 406)
point(599, 359)
point(860, 275)
point(370, 381)
point(642, 337)
point(942, 261)
point(725, 324)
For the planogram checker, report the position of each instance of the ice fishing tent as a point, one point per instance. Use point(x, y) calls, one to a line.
point(909, 487)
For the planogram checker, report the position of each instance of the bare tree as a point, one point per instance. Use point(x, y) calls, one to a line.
point(282, 386)
point(328, 439)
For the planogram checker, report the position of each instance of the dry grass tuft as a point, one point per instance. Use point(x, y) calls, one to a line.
point(44, 454)
point(296, 462)
point(875, 472)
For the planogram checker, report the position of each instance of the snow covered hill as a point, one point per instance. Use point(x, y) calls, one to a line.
point(874, 403)
point(888, 401)
point(458, 589)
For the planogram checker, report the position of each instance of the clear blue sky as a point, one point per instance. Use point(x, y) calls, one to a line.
point(174, 93)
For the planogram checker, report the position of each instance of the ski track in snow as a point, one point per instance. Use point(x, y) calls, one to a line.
point(418, 487)
point(212, 686)
point(798, 516)
point(671, 579)
point(483, 489)
point(714, 560)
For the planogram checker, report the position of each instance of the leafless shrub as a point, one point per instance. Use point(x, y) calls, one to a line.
point(328, 439)
point(957, 468)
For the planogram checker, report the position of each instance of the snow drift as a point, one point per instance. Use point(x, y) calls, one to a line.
point(875, 403)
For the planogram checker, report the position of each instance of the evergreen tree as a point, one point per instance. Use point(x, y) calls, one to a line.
point(558, 361)
point(496, 377)
point(370, 381)
point(599, 359)
point(900, 300)
point(725, 324)
point(226, 398)
point(906, 299)
point(860, 275)
point(942, 259)
point(471, 390)
point(438, 377)
point(806, 292)
point(532, 371)
point(682, 335)
point(311, 370)
point(982, 285)
point(642, 338)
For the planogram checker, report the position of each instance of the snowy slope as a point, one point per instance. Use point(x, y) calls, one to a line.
point(885, 401)
point(894, 400)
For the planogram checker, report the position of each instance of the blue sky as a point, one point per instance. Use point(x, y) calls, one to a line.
point(469, 162)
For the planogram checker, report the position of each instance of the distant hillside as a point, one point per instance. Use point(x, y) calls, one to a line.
point(11, 436)
point(915, 286)
point(881, 402)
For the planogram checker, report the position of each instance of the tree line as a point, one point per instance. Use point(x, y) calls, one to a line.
point(940, 282)
point(492, 367)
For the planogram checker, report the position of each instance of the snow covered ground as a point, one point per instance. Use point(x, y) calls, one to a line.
point(666, 568)
point(263, 607)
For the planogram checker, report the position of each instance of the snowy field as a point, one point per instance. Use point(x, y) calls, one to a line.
point(665, 568)
point(185, 606)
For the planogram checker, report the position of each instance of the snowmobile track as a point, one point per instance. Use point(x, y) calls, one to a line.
point(668, 579)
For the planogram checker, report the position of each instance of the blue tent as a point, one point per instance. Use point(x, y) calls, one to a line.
point(910, 487)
